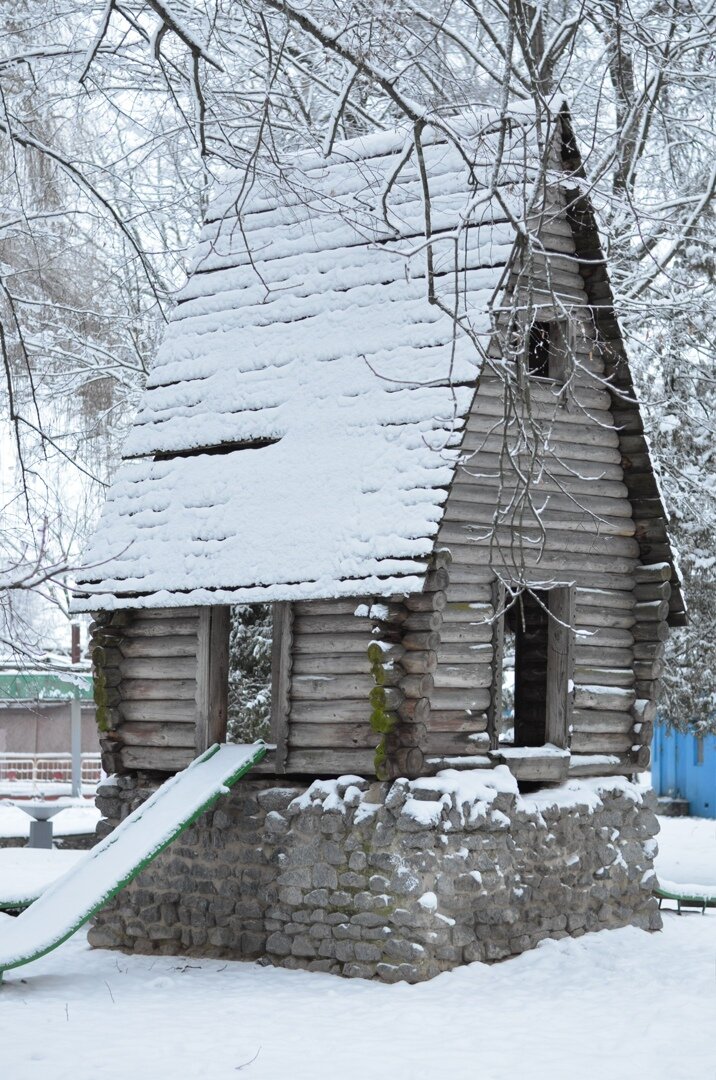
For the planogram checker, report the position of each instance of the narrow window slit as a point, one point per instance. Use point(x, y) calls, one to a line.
point(535, 675)
point(525, 669)
point(539, 349)
point(222, 448)
point(250, 648)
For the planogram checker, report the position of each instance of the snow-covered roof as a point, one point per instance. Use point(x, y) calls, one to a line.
point(306, 335)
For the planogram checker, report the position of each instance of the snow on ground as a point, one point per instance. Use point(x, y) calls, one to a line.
point(75, 820)
point(26, 872)
point(687, 855)
point(620, 1004)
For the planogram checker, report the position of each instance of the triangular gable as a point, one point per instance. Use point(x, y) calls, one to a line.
point(649, 512)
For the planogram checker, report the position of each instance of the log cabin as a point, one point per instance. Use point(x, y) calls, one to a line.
point(394, 403)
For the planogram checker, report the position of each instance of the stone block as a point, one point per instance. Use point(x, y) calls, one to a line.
point(324, 876)
point(399, 949)
point(344, 951)
point(474, 951)
point(357, 971)
point(326, 966)
point(276, 798)
point(104, 937)
point(367, 918)
point(292, 895)
point(358, 861)
point(331, 824)
point(252, 944)
point(222, 936)
point(340, 899)
point(275, 823)
point(279, 944)
point(334, 853)
point(349, 880)
point(302, 945)
point(299, 875)
point(462, 934)
point(317, 898)
point(374, 933)
point(450, 953)
point(346, 931)
point(367, 952)
point(378, 884)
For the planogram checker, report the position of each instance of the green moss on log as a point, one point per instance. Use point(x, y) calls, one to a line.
point(381, 720)
point(100, 699)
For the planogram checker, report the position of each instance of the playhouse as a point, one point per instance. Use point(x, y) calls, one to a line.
point(393, 402)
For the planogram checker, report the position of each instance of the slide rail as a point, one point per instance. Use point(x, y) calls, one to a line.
point(225, 765)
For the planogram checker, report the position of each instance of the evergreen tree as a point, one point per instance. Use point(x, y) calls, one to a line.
point(249, 672)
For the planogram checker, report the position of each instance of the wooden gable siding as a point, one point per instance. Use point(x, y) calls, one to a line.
point(645, 496)
point(588, 538)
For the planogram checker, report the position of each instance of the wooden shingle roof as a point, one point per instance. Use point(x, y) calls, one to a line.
point(305, 347)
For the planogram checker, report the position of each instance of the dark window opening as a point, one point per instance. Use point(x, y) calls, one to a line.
point(525, 652)
point(549, 351)
point(539, 349)
point(536, 669)
point(250, 648)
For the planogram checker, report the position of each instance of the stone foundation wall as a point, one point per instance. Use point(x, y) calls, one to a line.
point(395, 881)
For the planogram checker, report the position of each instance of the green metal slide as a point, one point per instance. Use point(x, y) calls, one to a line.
point(115, 861)
point(686, 896)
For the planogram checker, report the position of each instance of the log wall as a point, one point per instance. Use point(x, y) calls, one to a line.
point(146, 688)
point(328, 723)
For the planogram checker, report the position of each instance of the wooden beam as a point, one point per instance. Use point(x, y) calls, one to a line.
point(212, 678)
point(281, 652)
point(560, 665)
point(494, 709)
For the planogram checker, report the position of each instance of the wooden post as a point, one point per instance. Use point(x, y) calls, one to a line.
point(281, 680)
point(76, 721)
point(212, 676)
point(560, 665)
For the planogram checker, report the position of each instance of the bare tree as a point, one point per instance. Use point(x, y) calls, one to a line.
point(113, 130)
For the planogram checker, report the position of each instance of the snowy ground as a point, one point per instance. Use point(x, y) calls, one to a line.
point(687, 854)
point(620, 1004)
point(25, 872)
point(77, 819)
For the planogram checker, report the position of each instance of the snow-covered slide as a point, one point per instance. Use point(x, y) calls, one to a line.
point(115, 861)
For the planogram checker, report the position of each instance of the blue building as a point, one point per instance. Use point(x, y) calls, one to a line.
point(684, 767)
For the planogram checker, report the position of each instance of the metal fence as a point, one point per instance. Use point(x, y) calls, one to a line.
point(47, 768)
